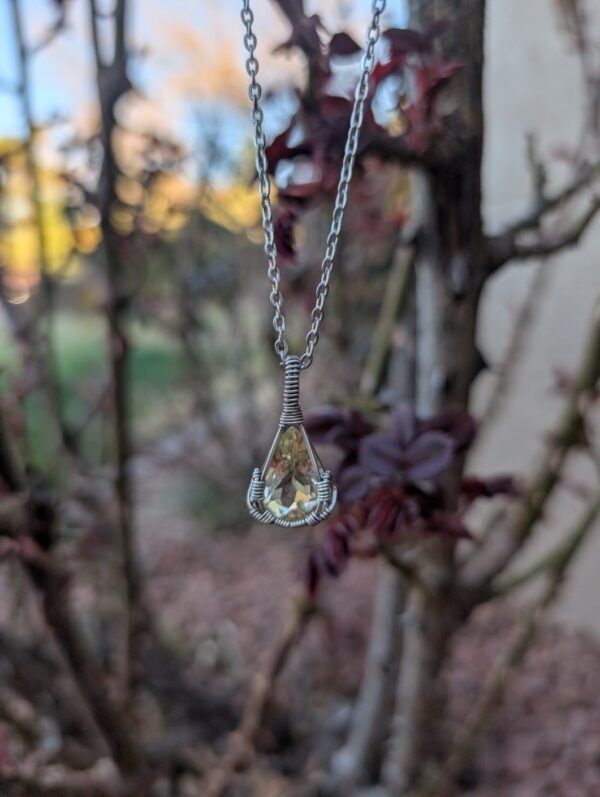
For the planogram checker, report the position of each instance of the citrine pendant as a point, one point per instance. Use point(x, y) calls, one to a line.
point(292, 488)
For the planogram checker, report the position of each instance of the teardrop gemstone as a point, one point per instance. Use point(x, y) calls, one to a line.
point(292, 476)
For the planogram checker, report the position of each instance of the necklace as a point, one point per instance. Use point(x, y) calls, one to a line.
point(292, 488)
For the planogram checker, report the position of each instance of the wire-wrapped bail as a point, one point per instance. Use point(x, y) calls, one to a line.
point(291, 414)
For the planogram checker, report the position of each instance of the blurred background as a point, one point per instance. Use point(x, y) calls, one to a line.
point(139, 388)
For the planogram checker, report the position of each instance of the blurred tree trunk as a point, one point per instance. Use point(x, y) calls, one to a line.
point(112, 83)
point(449, 275)
point(449, 271)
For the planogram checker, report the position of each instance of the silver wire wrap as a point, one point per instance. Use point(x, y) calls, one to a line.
point(326, 493)
point(291, 414)
point(264, 183)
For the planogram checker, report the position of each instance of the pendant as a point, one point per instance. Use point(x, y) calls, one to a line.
point(292, 489)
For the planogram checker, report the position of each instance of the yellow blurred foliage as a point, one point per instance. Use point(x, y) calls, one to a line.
point(234, 206)
point(162, 208)
point(20, 238)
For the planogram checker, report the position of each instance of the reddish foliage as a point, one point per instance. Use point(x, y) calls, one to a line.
point(342, 44)
point(389, 482)
point(323, 117)
point(423, 124)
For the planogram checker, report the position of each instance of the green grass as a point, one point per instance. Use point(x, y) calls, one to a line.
point(81, 364)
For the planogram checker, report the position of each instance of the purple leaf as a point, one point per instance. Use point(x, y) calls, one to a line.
point(459, 425)
point(403, 425)
point(335, 107)
point(428, 456)
point(342, 44)
point(336, 548)
point(381, 454)
point(353, 483)
point(339, 427)
point(284, 226)
point(448, 525)
point(406, 40)
point(385, 510)
point(472, 487)
point(322, 421)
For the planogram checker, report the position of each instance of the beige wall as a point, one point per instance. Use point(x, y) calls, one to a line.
point(533, 85)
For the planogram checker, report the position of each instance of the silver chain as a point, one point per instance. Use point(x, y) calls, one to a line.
point(264, 184)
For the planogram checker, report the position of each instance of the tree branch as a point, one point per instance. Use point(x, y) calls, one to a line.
point(50, 35)
point(496, 687)
point(242, 743)
point(505, 247)
point(51, 582)
point(396, 294)
point(20, 715)
point(499, 549)
point(120, 13)
point(360, 754)
point(112, 84)
point(540, 567)
point(43, 337)
point(511, 358)
point(101, 780)
point(568, 239)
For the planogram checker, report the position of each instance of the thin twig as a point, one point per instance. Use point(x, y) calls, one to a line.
point(492, 695)
point(51, 582)
point(112, 84)
point(241, 747)
point(44, 333)
point(394, 300)
point(101, 780)
point(504, 247)
point(20, 715)
point(512, 356)
point(50, 34)
point(501, 547)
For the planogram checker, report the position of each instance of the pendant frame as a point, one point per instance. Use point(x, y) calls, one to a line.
point(291, 416)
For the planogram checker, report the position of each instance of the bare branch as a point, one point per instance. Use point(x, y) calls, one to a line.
point(11, 470)
point(50, 35)
point(543, 566)
point(500, 548)
point(241, 746)
point(505, 247)
point(120, 20)
point(112, 84)
point(94, 17)
point(20, 715)
point(568, 239)
point(501, 676)
point(51, 582)
point(368, 729)
point(512, 356)
point(395, 298)
point(43, 337)
point(101, 780)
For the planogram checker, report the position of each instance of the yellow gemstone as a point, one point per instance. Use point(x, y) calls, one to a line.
point(292, 476)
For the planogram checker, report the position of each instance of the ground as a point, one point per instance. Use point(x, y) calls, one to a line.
point(226, 596)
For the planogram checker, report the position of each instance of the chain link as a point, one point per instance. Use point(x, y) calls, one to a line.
point(264, 184)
